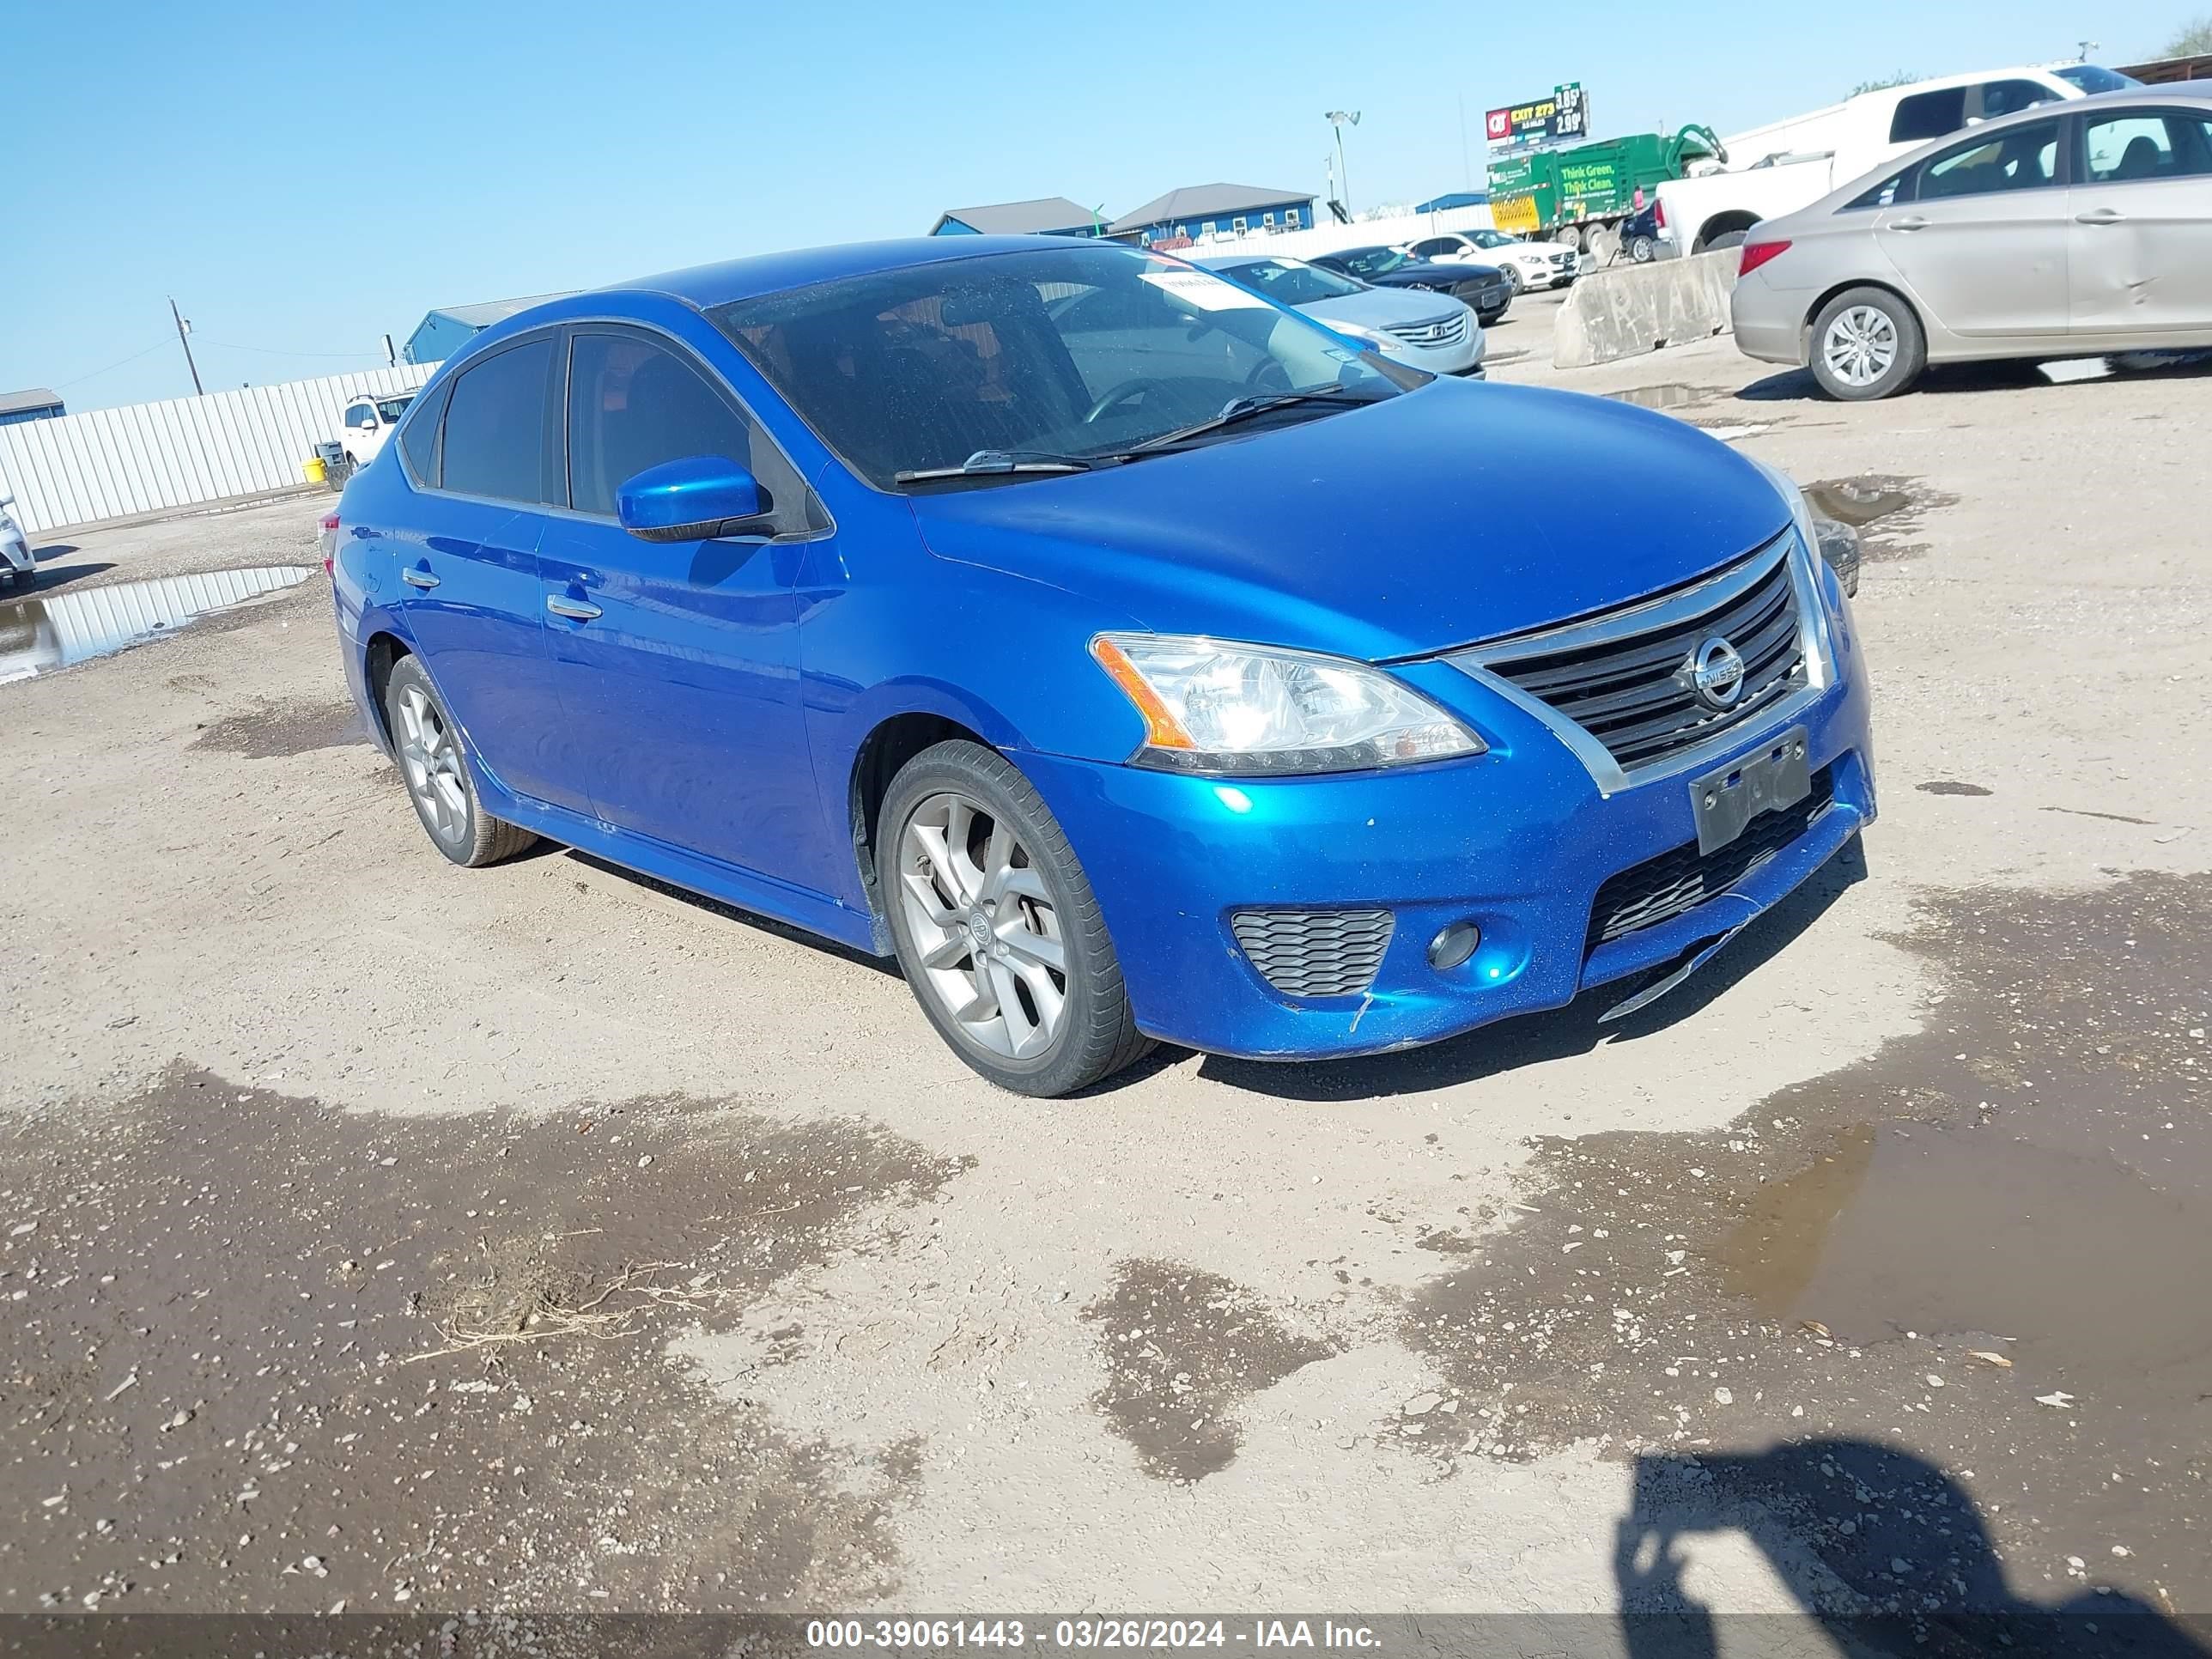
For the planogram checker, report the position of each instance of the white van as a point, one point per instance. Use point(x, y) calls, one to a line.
point(369, 419)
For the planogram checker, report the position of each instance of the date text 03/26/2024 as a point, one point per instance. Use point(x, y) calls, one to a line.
point(892, 1635)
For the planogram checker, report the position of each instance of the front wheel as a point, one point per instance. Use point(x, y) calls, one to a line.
point(996, 927)
point(1866, 343)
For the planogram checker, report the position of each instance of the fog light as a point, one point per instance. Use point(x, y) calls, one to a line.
point(1454, 945)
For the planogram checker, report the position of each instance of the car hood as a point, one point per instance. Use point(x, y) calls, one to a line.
point(1457, 513)
point(1542, 250)
point(1384, 307)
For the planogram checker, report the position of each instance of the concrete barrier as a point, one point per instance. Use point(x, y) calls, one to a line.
point(1626, 310)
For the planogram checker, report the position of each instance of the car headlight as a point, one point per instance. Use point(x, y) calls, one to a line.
point(1375, 338)
point(1218, 707)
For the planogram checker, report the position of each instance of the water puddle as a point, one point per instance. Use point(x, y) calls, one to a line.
point(1674, 395)
point(1893, 503)
point(1984, 1244)
point(38, 637)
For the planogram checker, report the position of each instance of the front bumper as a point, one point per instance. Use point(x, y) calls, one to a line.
point(16, 552)
point(1518, 841)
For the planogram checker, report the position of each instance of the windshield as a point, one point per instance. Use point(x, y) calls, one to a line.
point(2094, 77)
point(391, 409)
point(1488, 238)
point(1075, 351)
point(1288, 282)
point(1370, 261)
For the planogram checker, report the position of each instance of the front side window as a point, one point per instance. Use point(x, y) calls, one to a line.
point(1928, 115)
point(2020, 158)
point(495, 424)
point(361, 417)
point(1082, 351)
point(633, 405)
point(2123, 148)
point(1434, 245)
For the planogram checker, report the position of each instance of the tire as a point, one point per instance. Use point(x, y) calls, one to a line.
point(1513, 278)
point(1877, 349)
point(1726, 239)
point(948, 886)
point(1640, 250)
point(434, 764)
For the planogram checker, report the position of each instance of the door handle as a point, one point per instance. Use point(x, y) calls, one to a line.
point(421, 578)
point(2099, 216)
point(1911, 221)
point(575, 609)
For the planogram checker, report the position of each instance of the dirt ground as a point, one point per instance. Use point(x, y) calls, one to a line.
point(381, 1234)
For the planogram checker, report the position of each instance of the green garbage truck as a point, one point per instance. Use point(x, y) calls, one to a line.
point(1581, 195)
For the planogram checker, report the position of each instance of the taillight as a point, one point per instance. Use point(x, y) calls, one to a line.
point(330, 540)
point(1756, 254)
point(1659, 213)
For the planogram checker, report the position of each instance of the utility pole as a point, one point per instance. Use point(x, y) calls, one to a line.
point(183, 329)
point(1337, 117)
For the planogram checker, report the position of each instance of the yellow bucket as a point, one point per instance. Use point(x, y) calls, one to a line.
point(314, 471)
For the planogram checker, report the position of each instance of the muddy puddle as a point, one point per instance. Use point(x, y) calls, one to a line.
point(1977, 1256)
point(1672, 396)
point(258, 1353)
point(269, 731)
point(1886, 509)
point(1183, 1349)
point(40, 636)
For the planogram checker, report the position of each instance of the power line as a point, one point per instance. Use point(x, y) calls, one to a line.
point(97, 372)
point(278, 351)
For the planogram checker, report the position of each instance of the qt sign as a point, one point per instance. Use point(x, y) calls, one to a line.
point(1565, 114)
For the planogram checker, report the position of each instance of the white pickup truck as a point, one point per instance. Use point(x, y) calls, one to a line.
point(1788, 165)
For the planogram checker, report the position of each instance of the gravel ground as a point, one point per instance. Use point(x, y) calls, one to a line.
point(378, 1233)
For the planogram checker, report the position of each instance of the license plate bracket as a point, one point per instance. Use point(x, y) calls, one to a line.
point(1730, 796)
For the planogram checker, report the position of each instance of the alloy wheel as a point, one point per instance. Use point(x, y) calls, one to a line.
point(432, 762)
point(1860, 346)
point(983, 925)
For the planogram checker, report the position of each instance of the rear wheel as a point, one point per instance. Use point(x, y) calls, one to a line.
point(1641, 250)
point(435, 764)
point(1866, 343)
point(996, 927)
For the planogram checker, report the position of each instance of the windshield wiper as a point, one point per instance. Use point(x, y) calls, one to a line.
point(985, 463)
point(1236, 409)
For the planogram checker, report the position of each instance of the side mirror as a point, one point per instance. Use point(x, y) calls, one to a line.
point(691, 500)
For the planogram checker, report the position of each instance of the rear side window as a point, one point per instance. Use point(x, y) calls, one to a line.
point(633, 404)
point(495, 426)
point(1887, 193)
point(1928, 115)
point(2018, 158)
point(2003, 97)
point(419, 442)
point(2123, 148)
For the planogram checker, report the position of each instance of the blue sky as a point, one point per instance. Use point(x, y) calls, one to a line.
point(306, 178)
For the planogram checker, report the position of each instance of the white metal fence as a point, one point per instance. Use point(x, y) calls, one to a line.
point(112, 463)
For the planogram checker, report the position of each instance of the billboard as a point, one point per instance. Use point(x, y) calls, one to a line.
point(1562, 116)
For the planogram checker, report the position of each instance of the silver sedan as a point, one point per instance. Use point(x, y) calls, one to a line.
point(1408, 325)
point(2067, 229)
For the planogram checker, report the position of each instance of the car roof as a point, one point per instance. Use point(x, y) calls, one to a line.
point(706, 286)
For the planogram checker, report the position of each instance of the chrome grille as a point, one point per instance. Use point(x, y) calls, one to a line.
point(1443, 331)
point(1678, 882)
point(1314, 953)
point(1631, 688)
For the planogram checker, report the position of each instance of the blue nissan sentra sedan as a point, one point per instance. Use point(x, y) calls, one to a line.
point(1130, 657)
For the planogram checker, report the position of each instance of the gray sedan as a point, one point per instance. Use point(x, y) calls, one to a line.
point(1408, 325)
point(2065, 230)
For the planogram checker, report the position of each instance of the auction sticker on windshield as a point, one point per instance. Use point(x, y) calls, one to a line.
point(1207, 292)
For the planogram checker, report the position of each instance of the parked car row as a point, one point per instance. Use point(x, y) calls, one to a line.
point(1527, 264)
point(2079, 228)
point(1129, 655)
point(1434, 332)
